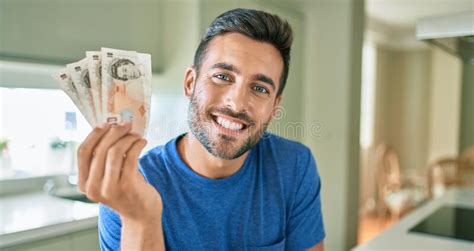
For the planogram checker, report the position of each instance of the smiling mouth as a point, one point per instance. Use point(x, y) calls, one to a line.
point(229, 125)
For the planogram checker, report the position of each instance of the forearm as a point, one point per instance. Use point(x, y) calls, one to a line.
point(146, 235)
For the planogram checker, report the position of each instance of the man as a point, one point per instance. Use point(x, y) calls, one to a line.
point(227, 185)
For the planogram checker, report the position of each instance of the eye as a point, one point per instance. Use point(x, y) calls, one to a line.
point(221, 76)
point(261, 89)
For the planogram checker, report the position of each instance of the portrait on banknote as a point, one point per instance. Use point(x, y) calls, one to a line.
point(86, 79)
point(125, 69)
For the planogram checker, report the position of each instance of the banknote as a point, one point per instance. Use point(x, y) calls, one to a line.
point(126, 75)
point(65, 83)
point(111, 86)
point(80, 77)
point(94, 67)
point(145, 60)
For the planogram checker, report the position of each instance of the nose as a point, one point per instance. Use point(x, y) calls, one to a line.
point(236, 98)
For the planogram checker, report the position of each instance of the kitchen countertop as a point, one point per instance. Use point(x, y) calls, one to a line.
point(398, 236)
point(35, 216)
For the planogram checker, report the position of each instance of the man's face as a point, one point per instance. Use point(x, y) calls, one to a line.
point(128, 71)
point(235, 95)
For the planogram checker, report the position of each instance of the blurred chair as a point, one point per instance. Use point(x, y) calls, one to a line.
point(396, 194)
point(442, 174)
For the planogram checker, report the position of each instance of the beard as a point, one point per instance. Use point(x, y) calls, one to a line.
point(222, 146)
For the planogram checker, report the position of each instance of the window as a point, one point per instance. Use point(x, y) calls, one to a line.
point(367, 115)
point(38, 121)
point(40, 126)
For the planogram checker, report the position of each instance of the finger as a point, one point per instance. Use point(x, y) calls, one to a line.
point(96, 171)
point(131, 161)
point(114, 161)
point(85, 151)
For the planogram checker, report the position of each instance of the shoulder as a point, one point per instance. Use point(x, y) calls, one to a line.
point(155, 166)
point(291, 163)
point(283, 143)
point(151, 157)
point(159, 154)
point(289, 160)
point(285, 150)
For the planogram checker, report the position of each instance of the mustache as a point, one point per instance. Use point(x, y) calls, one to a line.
point(237, 115)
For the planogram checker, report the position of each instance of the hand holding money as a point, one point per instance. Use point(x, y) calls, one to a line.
point(110, 86)
point(112, 89)
point(108, 173)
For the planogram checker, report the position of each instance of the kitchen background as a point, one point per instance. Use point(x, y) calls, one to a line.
point(362, 88)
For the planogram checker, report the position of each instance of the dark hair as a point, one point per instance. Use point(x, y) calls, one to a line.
point(255, 24)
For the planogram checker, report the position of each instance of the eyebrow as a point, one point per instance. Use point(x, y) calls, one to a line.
point(226, 66)
point(265, 79)
point(259, 76)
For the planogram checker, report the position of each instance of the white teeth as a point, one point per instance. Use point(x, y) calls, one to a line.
point(228, 124)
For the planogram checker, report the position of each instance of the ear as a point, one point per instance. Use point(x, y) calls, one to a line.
point(276, 105)
point(189, 81)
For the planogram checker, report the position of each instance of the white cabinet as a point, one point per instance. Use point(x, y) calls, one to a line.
point(78, 241)
point(59, 32)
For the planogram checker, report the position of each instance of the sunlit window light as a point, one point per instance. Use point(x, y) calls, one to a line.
point(368, 95)
point(35, 124)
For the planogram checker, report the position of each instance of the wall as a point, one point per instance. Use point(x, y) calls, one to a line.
point(418, 104)
point(181, 20)
point(445, 105)
point(413, 79)
point(467, 113)
point(332, 100)
point(402, 116)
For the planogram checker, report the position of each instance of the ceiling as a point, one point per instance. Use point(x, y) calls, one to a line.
point(405, 13)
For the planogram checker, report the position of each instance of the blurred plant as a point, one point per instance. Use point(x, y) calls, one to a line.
point(3, 144)
point(58, 144)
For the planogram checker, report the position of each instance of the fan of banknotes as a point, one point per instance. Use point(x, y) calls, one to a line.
point(111, 86)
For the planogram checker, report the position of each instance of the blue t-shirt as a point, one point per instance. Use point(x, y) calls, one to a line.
point(271, 203)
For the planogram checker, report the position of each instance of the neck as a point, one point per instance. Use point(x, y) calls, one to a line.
point(196, 156)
